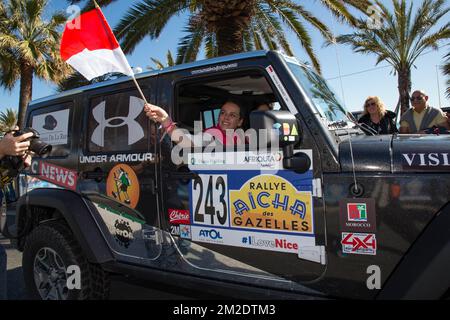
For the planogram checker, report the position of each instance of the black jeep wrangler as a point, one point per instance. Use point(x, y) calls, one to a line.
point(329, 213)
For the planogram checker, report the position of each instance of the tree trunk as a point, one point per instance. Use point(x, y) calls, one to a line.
point(26, 91)
point(230, 38)
point(404, 88)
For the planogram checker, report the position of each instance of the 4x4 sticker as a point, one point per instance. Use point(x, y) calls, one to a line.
point(359, 243)
point(122, 184)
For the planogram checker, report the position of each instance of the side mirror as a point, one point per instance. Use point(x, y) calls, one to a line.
point(282, 128)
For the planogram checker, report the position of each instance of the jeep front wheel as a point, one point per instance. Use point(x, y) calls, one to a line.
point(49, 251)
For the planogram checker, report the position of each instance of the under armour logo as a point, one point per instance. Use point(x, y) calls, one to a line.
point(135, 131)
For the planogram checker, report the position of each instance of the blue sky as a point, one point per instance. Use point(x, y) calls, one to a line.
point(359, 75)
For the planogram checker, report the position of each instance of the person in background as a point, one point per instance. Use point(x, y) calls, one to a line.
point(422, 116)
point(12, 146)
point(377, 117)
point(263, 107)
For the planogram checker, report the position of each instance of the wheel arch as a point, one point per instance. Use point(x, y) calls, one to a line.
point(42, 205)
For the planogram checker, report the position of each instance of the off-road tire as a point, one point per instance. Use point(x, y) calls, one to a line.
point(95, 282)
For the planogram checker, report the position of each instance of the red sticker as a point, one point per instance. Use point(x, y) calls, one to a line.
point(58, 175)
point(359, 243)
point(178, 216)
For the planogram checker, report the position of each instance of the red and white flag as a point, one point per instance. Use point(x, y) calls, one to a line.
point(89, 46)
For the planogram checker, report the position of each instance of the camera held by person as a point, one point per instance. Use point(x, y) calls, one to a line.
point(14, 148)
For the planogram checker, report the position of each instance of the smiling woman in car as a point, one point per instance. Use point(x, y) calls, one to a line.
point(377, 117)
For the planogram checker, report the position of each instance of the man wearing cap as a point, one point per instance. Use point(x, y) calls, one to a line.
point(422, 116)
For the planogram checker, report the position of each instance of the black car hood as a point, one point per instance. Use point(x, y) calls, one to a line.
point(370, 153)
point(421, 153)
point(397, 153)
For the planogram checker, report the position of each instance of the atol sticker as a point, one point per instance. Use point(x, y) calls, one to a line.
point(178, 216)
point(358, 215)
point(123, 185)
point(269, 202)
point(209, 235)
point(54, 174)
point(359, 243)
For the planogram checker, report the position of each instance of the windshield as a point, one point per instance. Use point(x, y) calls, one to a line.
point(327, 106)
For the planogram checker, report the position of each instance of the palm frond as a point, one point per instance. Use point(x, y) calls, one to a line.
point(146, 18)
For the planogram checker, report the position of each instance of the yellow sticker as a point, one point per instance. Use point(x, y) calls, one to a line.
point(271, 203)
point(294, 131)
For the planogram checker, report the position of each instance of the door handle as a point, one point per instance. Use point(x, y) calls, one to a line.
point(97, 174)
point(181, 175)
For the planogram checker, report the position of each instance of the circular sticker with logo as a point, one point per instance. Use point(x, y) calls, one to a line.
point(123, 185)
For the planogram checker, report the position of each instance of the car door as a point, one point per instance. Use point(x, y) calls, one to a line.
point(117, 163)
point(238, 215)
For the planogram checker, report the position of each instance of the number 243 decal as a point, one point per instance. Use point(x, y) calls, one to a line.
point(210, 200)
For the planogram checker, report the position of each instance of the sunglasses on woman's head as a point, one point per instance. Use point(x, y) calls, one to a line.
point(370, 104)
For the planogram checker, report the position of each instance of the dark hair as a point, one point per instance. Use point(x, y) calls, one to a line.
point(238, 103)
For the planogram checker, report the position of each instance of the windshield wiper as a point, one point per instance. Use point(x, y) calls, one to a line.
point(366, 128)
point(338, 124)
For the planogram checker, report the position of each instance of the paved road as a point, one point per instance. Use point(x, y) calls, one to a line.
point(119, 289)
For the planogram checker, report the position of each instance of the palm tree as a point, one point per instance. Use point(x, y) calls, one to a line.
point(446, 70)
point(29, 46)
point(160, 65)
point(8, 120)
point(230, 26)
point(402, 38)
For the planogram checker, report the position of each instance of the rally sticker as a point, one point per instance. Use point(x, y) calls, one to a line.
point(359, 243)
point(270, 202)
point(262, 209)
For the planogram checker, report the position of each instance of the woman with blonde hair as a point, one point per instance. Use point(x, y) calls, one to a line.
point(377, 117)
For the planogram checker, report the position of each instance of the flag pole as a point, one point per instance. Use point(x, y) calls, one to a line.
point(133, 77)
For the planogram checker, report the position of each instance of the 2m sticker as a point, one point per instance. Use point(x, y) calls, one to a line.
point(210, 200)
